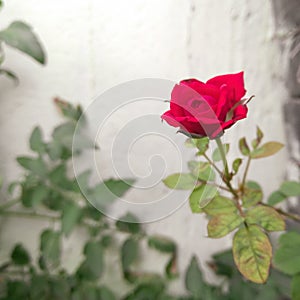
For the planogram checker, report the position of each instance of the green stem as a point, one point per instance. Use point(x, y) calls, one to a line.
point(223, 157)
point(246, 171)
point(24, 214)
point(9, 204)
point(288, 215)
point(213, 165)
point(226, 171)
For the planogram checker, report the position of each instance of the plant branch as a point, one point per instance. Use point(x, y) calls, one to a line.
point(24, 214)
point(246, 171)
point(213, 165)
point(289, 215)
point(226, 171)
point(9, 204)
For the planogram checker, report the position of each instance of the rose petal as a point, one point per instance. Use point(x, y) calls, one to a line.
point(233, 81)
point(202, 88)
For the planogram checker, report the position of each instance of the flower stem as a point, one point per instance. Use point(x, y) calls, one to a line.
point(226, 177)
point(213, 165)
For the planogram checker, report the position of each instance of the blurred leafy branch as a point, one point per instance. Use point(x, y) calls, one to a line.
point(233, 203)
point(20, 36)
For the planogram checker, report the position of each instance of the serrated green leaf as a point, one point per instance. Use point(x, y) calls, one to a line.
point(276, 197)
point(129, 253)
point(220, 225)
point(36, 140)
point(287, 256)
point(236, 165)
point(252, 195)
point(161, 243)
point(266, 150)
point(128, 223)
point(19, 35)
point(202, 170)
point(290, 188)
point(220, 205)
point(194, 280)
point(71, 216)
point(252, 253)
point(35, 165)
point(243, 146)
point(20, 255)
point(216, 156)
point(296, 287)
point(180, 181)
point(50, 246)
point(266, 217)
point(201, 196)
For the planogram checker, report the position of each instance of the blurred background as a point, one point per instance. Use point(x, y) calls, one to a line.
point(94, 45)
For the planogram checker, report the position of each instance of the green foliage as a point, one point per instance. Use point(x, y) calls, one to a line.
point(243, 146)
point(201, 196)
point(49, 192)
point(287, 256)
point(230, 206)
point(216, 156)
point(287, 189)
point(19, 35)
point(180, 181)
point(20, 256)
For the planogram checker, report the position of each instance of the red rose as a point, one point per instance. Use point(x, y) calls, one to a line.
point(207, 109)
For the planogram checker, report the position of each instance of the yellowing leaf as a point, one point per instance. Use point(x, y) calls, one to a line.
point(252, 252)
point(266, 217)
point(220, 205)
point(220, 225)
point(266, 150)
point(252, 194)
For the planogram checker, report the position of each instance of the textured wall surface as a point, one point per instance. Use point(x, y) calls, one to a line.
point(93, 45)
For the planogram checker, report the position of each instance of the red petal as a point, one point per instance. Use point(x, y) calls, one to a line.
point(233, 81)
point(202, 88)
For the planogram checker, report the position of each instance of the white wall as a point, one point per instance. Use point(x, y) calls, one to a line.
point(93, 45)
